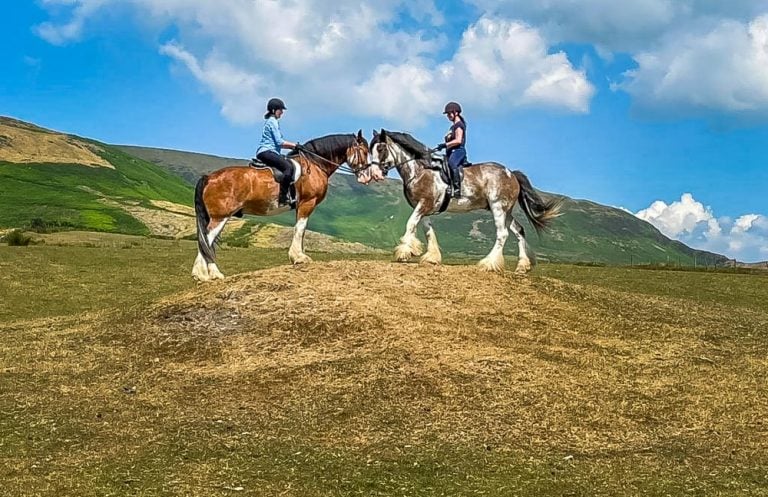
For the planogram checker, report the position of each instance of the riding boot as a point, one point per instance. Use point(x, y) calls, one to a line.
point(456, 178)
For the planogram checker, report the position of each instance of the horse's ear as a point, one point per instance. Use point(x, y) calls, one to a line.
point(360, 135)
point(375, 133)
point(383, 134)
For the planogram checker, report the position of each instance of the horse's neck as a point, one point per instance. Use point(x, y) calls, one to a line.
point(408, 167)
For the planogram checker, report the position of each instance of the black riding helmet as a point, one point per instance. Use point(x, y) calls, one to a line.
point(273, 105)
point(452, 107)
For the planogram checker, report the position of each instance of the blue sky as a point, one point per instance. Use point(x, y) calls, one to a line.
point(656, 106)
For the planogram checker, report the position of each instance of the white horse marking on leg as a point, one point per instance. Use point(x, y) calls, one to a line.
point(296, 252)
point(433, 255)
point(494, 261)
point(213, 270)
point(524, 263)
point(410, 245)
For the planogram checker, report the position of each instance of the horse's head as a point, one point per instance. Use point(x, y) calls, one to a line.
point(394, 149)
point(382, 159)
point(357, 157)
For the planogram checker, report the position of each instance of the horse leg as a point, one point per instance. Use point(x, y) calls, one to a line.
point(410, 246)
point(524, 262)
point(494, 261)
point(433, 255)
point(200, 268)
point(215, 228)
point(296, 252)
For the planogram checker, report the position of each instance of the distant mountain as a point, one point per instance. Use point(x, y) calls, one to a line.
point(376, 216)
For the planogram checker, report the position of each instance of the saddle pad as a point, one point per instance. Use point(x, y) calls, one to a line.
point(257, 164)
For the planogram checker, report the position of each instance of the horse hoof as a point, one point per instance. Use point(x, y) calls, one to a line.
point(491, 266)
point(430, 259)
point(302, 259)
point(214, 273)
point(403, 254)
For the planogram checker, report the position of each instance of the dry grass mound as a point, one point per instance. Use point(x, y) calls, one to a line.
point(24, 144)
point(364, 353)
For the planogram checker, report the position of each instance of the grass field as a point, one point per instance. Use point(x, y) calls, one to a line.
point(121, 376)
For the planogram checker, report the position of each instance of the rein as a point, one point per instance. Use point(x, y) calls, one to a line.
point(340, 167)
point(386, 169)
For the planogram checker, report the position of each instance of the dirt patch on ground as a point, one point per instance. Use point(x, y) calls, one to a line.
point(24, 145)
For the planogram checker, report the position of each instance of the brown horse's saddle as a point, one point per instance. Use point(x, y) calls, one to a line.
point(276, 173)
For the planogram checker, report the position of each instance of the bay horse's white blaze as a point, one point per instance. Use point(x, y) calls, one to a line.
point(296, 252)
point(487, 186)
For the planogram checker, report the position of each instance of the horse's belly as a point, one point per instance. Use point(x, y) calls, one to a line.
point(465, 204)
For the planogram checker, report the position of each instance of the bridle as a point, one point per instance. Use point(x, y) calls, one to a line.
point(384, 168)
point(356, 157)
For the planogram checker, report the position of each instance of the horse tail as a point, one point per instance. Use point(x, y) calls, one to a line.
point(539, 212)
point(203, 218)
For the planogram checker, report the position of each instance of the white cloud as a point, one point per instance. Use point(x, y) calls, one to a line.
point(694, 57)
point(499, 65)
point(723, 69)
point(689, 221)
point(347, 57)
point(231, 86)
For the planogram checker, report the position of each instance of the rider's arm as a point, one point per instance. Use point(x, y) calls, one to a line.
point(278, 136)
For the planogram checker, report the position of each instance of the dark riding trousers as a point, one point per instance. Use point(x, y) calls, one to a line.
point(279, 162)
point(457, 155)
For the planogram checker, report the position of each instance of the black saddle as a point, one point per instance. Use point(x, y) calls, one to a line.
point(276, 173)
point(439, 162)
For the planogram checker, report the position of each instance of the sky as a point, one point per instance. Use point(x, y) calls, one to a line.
point(659, 107)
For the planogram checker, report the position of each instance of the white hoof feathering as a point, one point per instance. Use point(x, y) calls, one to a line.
point(301, 259)
point(523, 266)
point(403, 253)
point(432, 257)
point(214, 272)
point(492, 263)
point(200, 269)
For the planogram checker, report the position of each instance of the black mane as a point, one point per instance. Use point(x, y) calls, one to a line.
point(328, 145)
point(408, 142)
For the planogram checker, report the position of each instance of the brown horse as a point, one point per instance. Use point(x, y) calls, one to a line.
point(234, 191)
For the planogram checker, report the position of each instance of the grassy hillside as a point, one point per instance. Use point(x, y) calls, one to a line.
point(70, 193)
point(376, 215)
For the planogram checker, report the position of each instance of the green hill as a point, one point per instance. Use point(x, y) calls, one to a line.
point(63, 181)
point(376, 216)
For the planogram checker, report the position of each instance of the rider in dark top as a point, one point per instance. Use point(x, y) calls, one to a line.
point(455, 141)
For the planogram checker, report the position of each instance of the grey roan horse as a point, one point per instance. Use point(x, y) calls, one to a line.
point(487, 186)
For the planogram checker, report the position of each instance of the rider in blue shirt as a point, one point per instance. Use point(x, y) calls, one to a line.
point(455, 141)
point(269, 148)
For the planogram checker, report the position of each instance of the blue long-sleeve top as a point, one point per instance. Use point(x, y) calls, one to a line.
point(271, 137)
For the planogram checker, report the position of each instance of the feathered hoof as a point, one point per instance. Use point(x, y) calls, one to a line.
point(523, 267)
point(494, 265)
point(403, 253)
point(433, 259)
point(301, 259)
point(214, 273)
point(200, 272)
